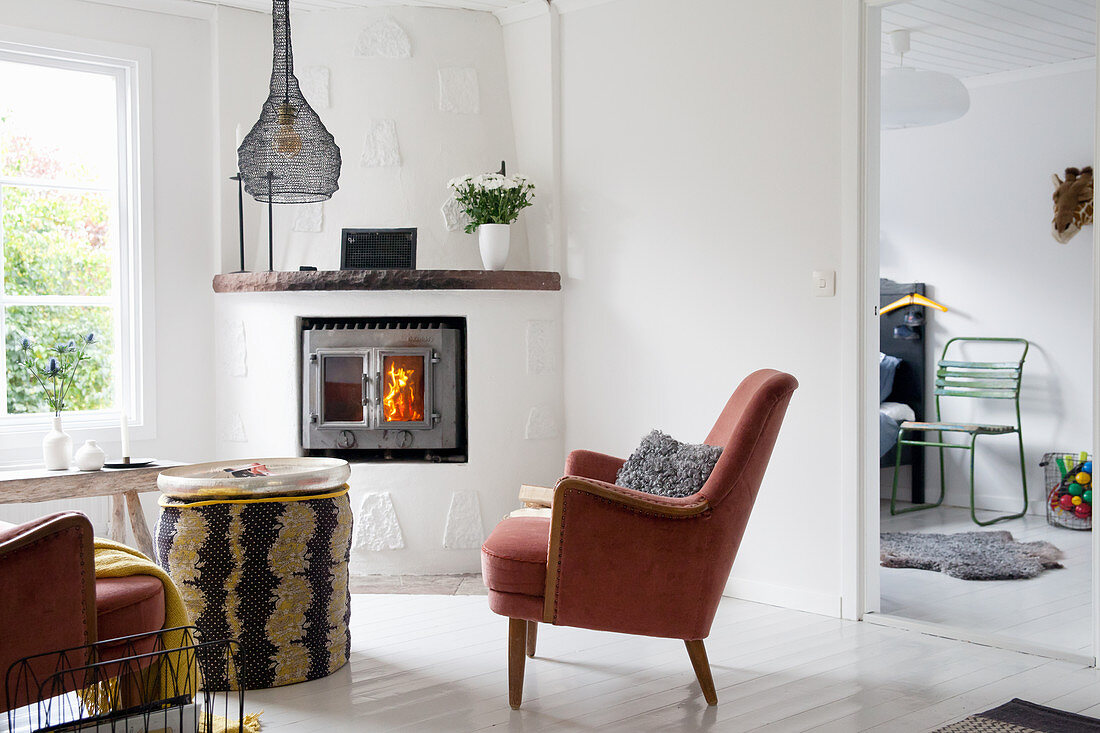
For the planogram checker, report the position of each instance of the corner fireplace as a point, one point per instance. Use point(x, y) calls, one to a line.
point(378, 389)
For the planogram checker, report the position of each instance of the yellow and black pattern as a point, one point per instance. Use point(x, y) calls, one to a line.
point(272, 574)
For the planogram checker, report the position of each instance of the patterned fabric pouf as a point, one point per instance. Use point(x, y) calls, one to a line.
point(271, 573)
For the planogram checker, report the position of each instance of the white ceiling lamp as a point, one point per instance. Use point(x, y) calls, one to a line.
point(916, 98)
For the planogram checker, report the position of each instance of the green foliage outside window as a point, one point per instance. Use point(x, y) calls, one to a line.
point(55, 242)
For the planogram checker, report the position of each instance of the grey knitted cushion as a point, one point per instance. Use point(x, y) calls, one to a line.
point(665, 466)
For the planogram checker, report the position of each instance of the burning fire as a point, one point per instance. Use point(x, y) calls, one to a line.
point(401, 403)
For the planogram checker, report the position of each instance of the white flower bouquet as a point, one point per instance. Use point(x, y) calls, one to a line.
point(491, 198)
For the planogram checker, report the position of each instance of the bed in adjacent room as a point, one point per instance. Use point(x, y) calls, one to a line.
point(901, 379)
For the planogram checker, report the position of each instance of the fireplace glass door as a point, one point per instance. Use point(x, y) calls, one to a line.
point(342, 389)
point(376, 388)
point(404, 388)
point(342, 393)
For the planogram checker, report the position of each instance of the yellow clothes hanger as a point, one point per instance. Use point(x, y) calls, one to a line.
point(911, 299)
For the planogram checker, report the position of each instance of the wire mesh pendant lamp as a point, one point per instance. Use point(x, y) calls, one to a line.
point(288, 157)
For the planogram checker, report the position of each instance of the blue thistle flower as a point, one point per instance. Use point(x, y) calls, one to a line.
point(90, 338)
point(53, 367)
point(26, 344)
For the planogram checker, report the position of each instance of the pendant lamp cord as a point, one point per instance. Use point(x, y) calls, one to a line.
point(286, 54)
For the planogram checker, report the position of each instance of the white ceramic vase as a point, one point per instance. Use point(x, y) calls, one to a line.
point(493, 240)
point(57, 447)
point(90, 457)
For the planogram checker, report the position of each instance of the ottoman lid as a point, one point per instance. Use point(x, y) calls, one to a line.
point(245, 478)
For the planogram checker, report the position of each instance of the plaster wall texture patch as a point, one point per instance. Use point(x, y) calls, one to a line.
point(232, 349)
point(380, 148)
point(376, 526)
point(541, 356)
point(309, 217)
point(314, 82)
point(464, 530)
point(454, 218)
point(231, 429)
point(541, 423)
point(458, 91)
point(385, 39)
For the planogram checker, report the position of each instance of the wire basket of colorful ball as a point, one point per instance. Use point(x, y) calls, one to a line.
point(1069, 489)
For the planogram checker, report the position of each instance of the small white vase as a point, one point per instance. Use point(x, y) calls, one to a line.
point(493, 240)
point(57, 447)
point(90, 457)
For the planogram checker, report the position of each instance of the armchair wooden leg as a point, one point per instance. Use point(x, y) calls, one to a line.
point(517, 643)
point(532, 634)
point(698, 654)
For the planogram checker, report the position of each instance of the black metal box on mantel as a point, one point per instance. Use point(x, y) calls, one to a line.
point(378, 249)
point(384, 388)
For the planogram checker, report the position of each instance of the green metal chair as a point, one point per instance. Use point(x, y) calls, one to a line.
point(994, 380)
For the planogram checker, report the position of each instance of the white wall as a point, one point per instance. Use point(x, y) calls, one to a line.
point(530, 48)
point(435, 146)
point(966, 208)
point(242, 44)
point(182, 250)
point(701, 174)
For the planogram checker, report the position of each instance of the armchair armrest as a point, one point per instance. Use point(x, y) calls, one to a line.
point(47, 588)
point(651, 503)
point(623, 560)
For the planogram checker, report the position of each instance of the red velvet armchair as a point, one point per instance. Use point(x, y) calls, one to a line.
point(51, 600)
point(614, 559)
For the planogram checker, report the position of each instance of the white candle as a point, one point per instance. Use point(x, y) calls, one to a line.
point(125, 437)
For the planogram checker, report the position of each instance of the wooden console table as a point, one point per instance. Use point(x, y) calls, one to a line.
point(122, 485)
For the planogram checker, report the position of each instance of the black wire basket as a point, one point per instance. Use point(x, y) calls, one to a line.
point(145, 682)
point(1060, 472)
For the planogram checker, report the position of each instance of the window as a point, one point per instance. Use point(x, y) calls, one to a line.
point(68, 230)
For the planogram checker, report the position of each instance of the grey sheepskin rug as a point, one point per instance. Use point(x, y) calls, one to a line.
point(664, 466)
point(969, 555)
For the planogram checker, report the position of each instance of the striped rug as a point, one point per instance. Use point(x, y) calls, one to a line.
point(1020, 716)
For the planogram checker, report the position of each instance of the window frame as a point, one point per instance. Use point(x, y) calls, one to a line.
point(129, 67)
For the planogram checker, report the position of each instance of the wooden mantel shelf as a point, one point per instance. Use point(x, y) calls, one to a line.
point(327, 280)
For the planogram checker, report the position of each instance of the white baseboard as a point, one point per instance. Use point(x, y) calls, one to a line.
point(798, 599)
point(1005, 504)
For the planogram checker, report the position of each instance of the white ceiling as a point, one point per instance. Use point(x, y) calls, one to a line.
point(974, 38)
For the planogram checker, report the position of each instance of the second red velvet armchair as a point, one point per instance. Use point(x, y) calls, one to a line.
point(51, 600)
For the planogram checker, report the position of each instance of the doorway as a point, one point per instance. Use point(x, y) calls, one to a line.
point(958, 211)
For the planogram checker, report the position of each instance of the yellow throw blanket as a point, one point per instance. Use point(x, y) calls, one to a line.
point(116, 560)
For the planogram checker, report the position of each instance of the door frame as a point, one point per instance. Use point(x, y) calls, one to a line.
point(860, 257)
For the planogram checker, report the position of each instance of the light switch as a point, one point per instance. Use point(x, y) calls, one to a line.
point(824, 283)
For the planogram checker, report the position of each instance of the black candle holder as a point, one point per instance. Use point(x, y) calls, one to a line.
point(240, 214)
point(271, 178)
point(270, 223)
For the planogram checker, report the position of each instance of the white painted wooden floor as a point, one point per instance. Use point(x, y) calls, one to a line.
point(438, 663)
point(1051, 609)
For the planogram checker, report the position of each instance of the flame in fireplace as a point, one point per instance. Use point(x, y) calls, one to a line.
point(402, 400)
